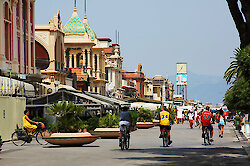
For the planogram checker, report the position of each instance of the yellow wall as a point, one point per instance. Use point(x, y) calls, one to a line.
point(14, 108)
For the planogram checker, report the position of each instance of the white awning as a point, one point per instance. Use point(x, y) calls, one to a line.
point(109, 99)
point(150, 106)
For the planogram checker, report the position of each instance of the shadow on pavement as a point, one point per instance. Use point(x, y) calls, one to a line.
point(191, 156)
point(57, 146)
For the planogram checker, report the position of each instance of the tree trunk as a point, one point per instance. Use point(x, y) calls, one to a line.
point(241, 19)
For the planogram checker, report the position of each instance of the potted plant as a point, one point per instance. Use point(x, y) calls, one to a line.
point(108, 126)
point(69, 125)
point(68, 116)
point(145, 118)
point(134, 116)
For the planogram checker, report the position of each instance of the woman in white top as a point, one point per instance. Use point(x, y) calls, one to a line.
point(221, 122)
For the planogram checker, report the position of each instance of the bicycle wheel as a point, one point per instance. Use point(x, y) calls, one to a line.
point(122, 143)
point(39, 137)
point(19, 138)
point(127, 143)
point(165, 139)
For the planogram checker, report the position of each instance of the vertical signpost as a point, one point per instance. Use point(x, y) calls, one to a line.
point(181, 79)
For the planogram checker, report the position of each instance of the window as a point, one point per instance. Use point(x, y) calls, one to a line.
point(7, 30)
point(86, 58)
point(95, 62)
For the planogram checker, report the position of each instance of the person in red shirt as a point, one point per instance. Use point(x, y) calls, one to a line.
point(206, 122)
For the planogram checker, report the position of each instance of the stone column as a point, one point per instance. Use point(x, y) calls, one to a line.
point(15, 44)
point(29, 37)
point(75, 60)
point(103, 64)
point(70, 60)
point(34, 43)
point(98, 66)
point(81, 59)
point(21, 39)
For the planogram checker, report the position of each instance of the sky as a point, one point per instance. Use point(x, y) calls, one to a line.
point(159, 33)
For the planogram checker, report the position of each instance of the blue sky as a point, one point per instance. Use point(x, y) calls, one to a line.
point(159, 33)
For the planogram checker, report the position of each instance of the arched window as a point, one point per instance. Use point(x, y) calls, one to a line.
point(7, 30)
point(86, 58)
point(95, 62)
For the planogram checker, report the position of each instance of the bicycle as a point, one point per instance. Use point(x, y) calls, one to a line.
point(125, 138)
point(21, 136)
point(165, 137)
point(206, 136)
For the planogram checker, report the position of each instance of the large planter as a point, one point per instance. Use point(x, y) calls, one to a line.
point(144, 125)
point(156, 122)
point(107, 132)
point(71, 139)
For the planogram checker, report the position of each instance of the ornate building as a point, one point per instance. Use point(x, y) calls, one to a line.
point(113, 68)
point(84, 54)
point(50, 40)
point(139, 77)
point(17, 37)
point(158, 88)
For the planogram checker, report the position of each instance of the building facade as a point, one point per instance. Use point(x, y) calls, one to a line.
point(50, 40)
point(84, 55)
point(139, 78)
point(158, 88)
point(17, 36)
point(113, 70)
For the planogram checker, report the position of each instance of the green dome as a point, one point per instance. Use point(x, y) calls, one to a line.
point(89, 30)
point(74, 26)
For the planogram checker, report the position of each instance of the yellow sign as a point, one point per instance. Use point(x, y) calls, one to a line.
point(181, 68)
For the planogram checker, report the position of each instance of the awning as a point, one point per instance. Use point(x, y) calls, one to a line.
point(105, 104)
point(108, 99)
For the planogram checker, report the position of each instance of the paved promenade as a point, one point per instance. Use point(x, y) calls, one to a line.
point(146, 149)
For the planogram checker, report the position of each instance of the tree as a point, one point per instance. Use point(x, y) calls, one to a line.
point(240, 66)
point(68, 116)
point(241, 19)
point(237, 96)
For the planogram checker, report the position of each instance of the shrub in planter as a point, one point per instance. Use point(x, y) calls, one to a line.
point(134, 116)
point(145, 115)
point(92, 123)
point(68, 114)
point(111, 121)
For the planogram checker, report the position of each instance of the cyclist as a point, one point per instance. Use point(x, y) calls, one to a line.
point(27, 122)
point(125, 119)
point(206, 122)
point(221, 122)
point(165, 118)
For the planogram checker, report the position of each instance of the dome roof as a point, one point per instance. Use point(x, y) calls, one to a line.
point(74, 26)
point(158, 77)
point(89, 30)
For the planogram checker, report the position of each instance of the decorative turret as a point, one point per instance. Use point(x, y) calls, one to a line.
point(75, 25)
point(89, 30)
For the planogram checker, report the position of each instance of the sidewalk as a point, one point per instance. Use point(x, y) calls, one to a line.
point(244, 140)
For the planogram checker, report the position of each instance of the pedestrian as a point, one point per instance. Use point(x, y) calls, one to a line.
point(221, 122)
point(191, 119)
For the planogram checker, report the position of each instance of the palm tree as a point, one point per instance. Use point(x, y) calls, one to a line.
point(68, 116)
point(233, 70)
point(240, 66)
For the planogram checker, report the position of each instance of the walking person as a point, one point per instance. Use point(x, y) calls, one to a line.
point(221, 122)
point(191, 119)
